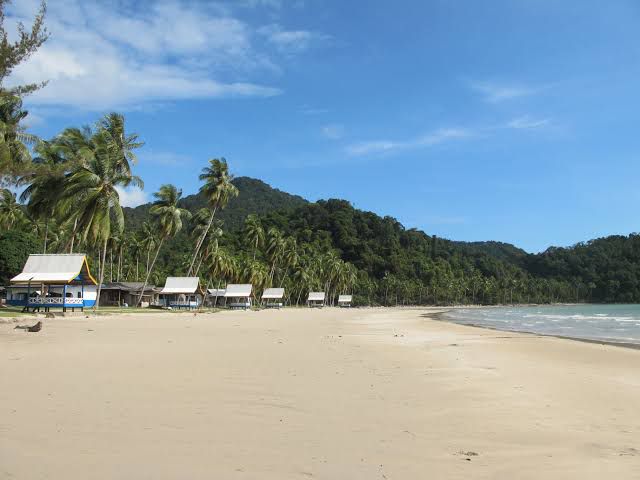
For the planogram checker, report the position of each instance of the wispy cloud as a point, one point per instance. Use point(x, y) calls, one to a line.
point(430, 139)
point(99, 57)
point(526, 122)
point(333, 131)
point(496, 92)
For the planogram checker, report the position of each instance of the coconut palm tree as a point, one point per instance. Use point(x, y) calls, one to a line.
point(275, 250)
point(169, 217)
point(218, 189)
point(215, 233)
point(92, 188)
point(44, 184)
point(148, 241)
point(14, 153)
point(254, 233)
point(11, 212)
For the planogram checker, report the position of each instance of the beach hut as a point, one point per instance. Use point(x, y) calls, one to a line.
point(238, 295)
point(345, 300)
point(215, 296)
point(316, 299)
point(181, 292)
point(53, 281)
point(126, 294)
point(272, 297)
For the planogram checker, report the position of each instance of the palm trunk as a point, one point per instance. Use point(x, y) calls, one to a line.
point(199, 264)
point(137, 267)
point(201, 240)
point(146, 280)
point(102, 268)
point(73, 235)
point(46, 234)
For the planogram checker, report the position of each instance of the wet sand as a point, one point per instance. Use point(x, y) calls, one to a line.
point(296, 393)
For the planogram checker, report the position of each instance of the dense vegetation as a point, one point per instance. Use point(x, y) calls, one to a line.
point(242, 230)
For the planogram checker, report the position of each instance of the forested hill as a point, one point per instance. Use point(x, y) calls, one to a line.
point(257, 197)
point(386, 253)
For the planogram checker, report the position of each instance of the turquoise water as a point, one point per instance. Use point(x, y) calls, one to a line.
point(612, 323)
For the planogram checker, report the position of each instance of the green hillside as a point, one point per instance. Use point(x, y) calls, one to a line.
point(257, 197)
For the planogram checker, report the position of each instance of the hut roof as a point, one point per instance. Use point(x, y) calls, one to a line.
point(273, 293)
point(238, 290)
point(55, 268)
point(345, 298)
point(181, 285)
point(316, 297)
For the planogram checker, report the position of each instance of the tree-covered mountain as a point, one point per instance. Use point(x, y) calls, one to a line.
point(257, 198)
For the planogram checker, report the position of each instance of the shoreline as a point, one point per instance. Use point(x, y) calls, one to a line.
point(441, 317)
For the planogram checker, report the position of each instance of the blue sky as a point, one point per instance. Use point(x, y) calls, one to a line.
point(511, 120)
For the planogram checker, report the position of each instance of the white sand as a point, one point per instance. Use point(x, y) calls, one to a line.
point(331, 394)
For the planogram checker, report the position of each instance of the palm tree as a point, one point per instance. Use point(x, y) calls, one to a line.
point(148, 241)
point(11, 212)
point(93, 187)
point(254, 232)
point(218, 189)
point(275, 250)
point(14, 153)
point(215, 233)
point(169, 218)
point(44, 184)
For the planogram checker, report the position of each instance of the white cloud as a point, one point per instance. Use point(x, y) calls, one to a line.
point(99, 57)
point(333, 131)
point(495, 93)
point(131, 197)
point(435, 137)
point(526, 122)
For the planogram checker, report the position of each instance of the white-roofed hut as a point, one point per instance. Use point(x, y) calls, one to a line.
point(53, 281)
point(345, 301)
point(215, 296)
point(238, 295)
point(181, 292)
point(316, 299)
point(272, 297)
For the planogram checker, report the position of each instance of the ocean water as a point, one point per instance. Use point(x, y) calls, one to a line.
point(611, 323)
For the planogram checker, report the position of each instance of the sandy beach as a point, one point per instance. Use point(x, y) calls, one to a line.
point(296, 393)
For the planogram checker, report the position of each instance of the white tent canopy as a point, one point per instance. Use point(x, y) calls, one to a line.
point(185, 285)
point(238, 290)
point(316, 297)
point(216, 292)
point(273, 293)
point(62, 268)
point(345, 298)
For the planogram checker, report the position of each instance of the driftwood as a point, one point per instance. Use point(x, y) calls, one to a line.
point(33, 328)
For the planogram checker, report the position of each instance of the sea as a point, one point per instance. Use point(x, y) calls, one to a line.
point(608, 323)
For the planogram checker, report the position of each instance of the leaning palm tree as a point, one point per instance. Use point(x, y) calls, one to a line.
point(218, 189)
point(169, 219)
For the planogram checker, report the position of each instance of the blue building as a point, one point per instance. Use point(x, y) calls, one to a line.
point(53, 281)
